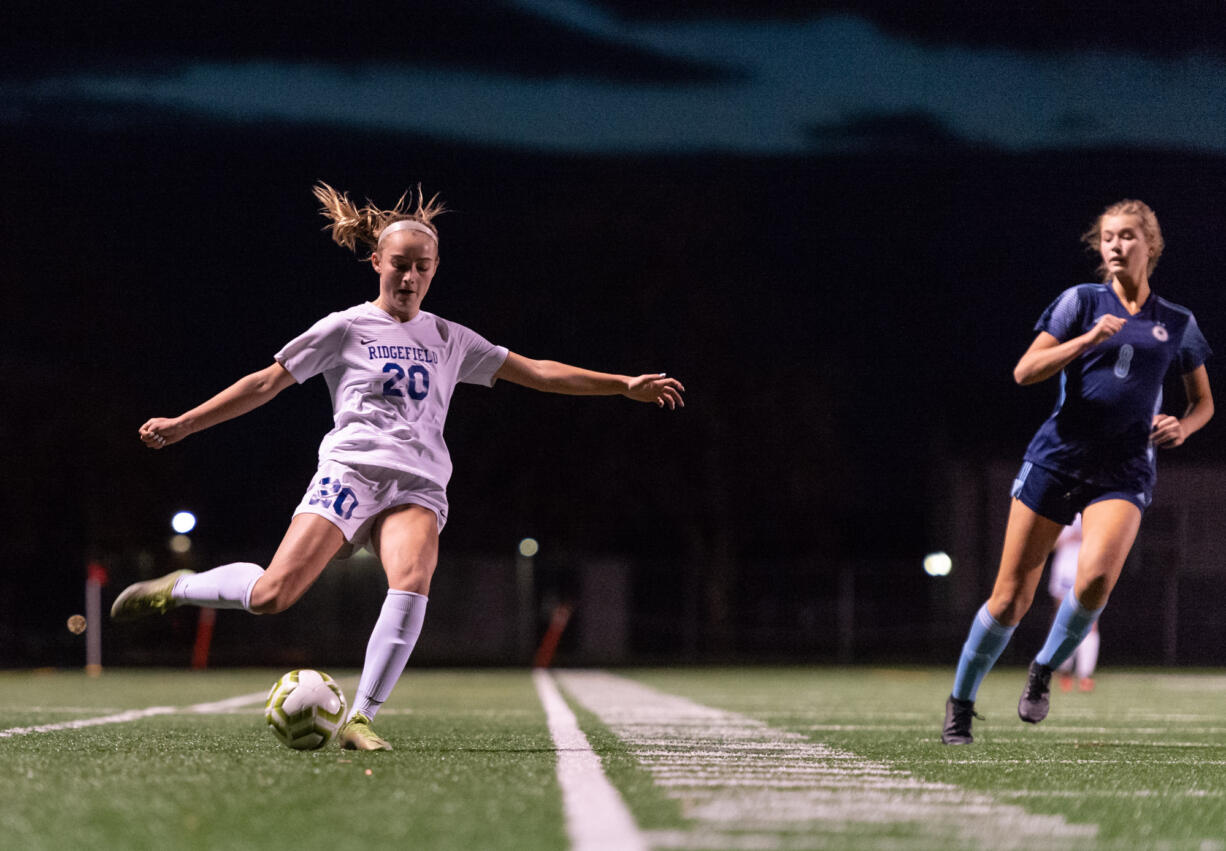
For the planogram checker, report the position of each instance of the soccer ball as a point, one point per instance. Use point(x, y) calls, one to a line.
point(305, 709)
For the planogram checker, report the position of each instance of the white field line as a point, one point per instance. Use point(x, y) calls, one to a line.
point(138, 714)
point(468, 713)
point(926, 729)
point(1190, 760)
point(117, 718)
point(744, 784)
point(1118, 794)
point(1199, 682)
point(597, 819)
point(227, 704)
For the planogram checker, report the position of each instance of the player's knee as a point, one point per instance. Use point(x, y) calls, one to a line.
point(413, 575)
point(1008, 608)
point(271, 595)
point(1093, 592)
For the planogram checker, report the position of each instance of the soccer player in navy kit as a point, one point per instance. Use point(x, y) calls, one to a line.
point(383, 469)
point(1112, 344)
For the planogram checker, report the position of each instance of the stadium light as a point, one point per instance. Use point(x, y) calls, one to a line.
point(183, 522)
point(938, 564)
point(525, 596)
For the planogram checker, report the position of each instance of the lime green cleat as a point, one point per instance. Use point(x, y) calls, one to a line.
point(356, 735)
point(147, 598)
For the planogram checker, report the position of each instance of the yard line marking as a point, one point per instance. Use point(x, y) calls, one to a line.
point(135, 715)
point(228, 703)
point(596, 815)
point(1149, 760)
point(1118, 794)
point(118, 718)
point(742, 783)
point(1065, 728)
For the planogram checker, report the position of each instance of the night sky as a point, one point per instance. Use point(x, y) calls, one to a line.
point(836, 223)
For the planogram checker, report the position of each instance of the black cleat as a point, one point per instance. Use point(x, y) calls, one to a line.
point(958, 717)
point(1035, 702)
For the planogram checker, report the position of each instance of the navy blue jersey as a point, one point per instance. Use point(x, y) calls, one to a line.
point(1099, 430)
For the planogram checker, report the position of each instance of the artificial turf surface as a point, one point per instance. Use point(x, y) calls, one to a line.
point(1142, 759)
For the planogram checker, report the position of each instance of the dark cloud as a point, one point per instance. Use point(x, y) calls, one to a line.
point(899, 132)
point(1141, 26)
point(137, 35)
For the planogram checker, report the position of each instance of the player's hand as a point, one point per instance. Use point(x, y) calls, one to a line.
point(1107, 326)
point(658, 388)
point(160, 432)
point(1167, 432)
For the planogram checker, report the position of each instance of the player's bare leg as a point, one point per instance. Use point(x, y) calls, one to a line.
point(1109, 529)
point(308, 546)
point(1029, 537)
point(406, 539)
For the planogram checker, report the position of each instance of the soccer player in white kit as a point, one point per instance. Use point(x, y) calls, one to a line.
point(1060, 584)
point(391, 368)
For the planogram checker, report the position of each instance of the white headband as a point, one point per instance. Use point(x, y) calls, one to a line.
point(407, 224)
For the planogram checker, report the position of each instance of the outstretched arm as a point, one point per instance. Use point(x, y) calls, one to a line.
point(244, 395)
point(553, 377)
point(1169, 432)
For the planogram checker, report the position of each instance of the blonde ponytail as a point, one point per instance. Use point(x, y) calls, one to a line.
point(351, 224)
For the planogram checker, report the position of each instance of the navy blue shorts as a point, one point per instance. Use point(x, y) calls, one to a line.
point(1061, 498)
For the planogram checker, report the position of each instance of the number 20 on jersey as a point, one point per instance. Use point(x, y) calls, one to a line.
point(413, 382)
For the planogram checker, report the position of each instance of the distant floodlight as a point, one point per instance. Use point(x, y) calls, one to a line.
point(938, 564)
point(183, 522)
point(529, 547)
point(180, 544)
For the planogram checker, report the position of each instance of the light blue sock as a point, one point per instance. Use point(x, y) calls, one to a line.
point(1072, 624)
point(984, 644)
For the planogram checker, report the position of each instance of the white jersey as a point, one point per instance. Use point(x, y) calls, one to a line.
point(391, 384)
point(1064, 560)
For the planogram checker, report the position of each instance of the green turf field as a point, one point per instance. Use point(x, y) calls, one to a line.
point(704, 758)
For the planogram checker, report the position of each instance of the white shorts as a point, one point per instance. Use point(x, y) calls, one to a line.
point(352, 496)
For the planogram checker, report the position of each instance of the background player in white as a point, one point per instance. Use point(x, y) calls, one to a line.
point(1112, 344)
point(1060, 584)
point(383, 469)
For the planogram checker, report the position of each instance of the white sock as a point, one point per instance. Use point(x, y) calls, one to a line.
point(388, 650)
point(225, 587)
point(1087, 656)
